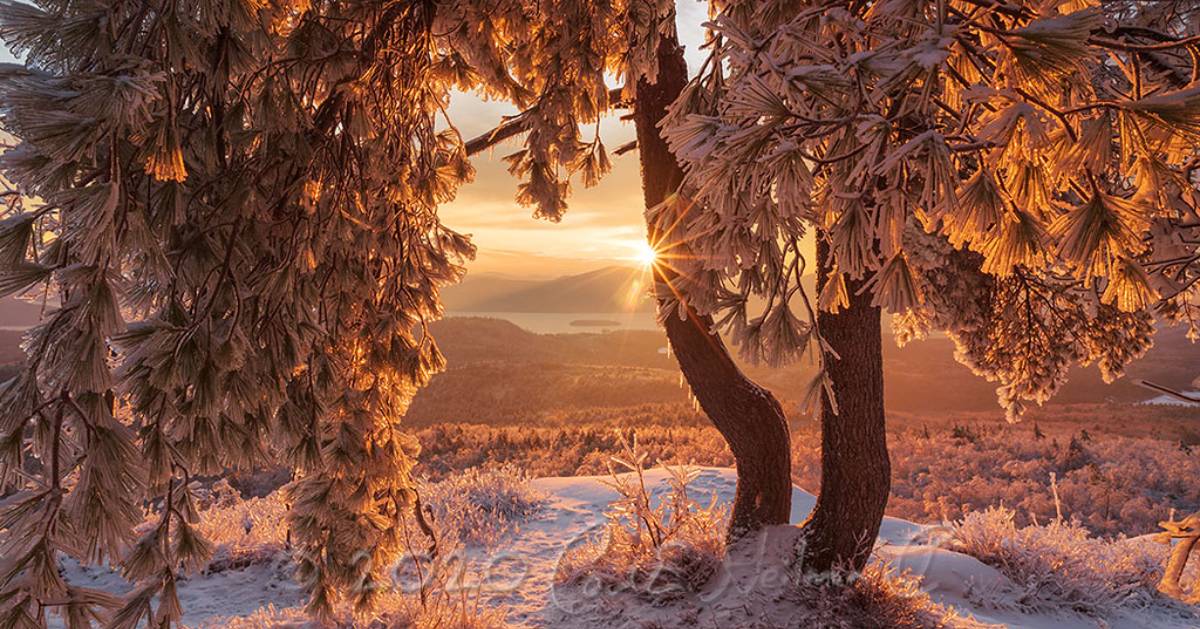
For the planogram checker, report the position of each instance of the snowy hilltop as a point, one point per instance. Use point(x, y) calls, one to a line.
point(518, 541)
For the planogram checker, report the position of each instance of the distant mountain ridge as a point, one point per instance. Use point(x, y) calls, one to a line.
point(610, 289)
point(499, 371)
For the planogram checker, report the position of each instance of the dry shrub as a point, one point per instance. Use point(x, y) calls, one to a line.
point(1111, 484)
point(1060, 566)
point(480, 505)
point(758, 584)
point(581, 448)
point(242, 530)
point(462, 610)
point(658, 546)
point(877, 598)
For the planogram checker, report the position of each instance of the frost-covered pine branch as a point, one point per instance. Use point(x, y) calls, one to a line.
point(1018, 175)
point(231, 211)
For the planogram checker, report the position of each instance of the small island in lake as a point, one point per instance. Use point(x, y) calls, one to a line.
point(595, 323)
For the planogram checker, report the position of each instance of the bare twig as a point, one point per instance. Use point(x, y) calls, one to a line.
point(518, 124)
point(625, 148)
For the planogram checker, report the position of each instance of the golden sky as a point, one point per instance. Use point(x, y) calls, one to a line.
point(603, 225)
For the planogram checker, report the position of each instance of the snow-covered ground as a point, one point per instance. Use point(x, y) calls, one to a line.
point(518, 573)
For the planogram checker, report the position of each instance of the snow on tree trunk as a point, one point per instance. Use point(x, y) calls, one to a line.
point(855, 469)
point(747, 415)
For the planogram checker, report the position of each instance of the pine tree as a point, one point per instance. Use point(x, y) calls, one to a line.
point(230, 209)
point(1017, 175)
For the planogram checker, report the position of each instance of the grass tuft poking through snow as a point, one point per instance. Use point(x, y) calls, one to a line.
point(480, 505)
point(1060, 566)
point(880, 597)
point(244, 532)
point(657, 545)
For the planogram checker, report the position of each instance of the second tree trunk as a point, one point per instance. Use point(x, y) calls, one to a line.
point(855, 469)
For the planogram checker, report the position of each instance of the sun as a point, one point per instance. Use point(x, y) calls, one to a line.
point(645, 254)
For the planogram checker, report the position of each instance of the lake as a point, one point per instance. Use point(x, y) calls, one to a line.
point(560, 323)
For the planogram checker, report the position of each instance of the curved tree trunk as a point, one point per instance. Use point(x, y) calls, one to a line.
point(748, 416)
point(855, 469)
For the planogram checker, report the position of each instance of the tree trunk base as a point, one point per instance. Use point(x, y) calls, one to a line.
point(855, 468)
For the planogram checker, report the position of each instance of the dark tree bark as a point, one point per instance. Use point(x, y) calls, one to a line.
point(747, 415)
point(855, 469)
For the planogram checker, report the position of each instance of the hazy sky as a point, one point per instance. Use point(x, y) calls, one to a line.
point(603, 225)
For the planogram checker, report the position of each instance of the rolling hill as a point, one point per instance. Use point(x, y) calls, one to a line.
point(500, 373)
point(610, 289)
